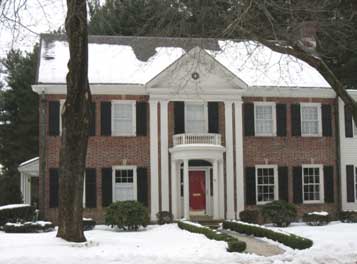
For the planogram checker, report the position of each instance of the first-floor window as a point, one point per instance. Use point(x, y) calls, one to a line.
point(124, 183)
point(312, 182)
point(266, 179)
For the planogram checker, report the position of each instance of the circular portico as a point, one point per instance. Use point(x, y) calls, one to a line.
point(188, 147)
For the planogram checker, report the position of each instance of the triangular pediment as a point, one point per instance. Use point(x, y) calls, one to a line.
point(196, 70)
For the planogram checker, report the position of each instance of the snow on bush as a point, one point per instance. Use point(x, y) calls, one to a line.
point(15, 212)
point(29, 227)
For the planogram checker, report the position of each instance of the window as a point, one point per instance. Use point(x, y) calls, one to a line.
point(312, 183)
point(265, 124)
point(354, 128)
point(266, 183)
point(311, 119)
point(60, 117)
point(356, 182)
point(124, 183)
point(196, 118)
point(123, 118)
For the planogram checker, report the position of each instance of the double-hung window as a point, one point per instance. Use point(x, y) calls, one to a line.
point(266, 183)
point(311, 119)
point(123, 118)
point(265, 119)
point(124, 183)
point(312, 180)
point(196, 117)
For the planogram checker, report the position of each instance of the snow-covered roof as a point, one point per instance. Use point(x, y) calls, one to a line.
point(136, 60)
point(30, 167)
point(29, 161)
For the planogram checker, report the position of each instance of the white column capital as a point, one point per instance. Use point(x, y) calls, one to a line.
point(228, 102)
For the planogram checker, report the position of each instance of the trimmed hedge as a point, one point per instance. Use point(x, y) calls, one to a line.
point(88, 224)
point(290, 240)
point(315, 219)
point(164, 217)
point(234, 245)
point(280, 213)
point(348, 216)
point(18, 212)
point(29, 227)
point(252, 216)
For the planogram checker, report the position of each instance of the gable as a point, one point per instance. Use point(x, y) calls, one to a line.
point(194, 71)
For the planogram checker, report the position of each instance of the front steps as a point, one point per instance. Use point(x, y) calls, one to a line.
point(206, 221)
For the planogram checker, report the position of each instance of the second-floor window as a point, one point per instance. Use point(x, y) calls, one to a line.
point(196, 118)
point(123, 118)
point(310, 119)
point(354, 128)
point(264, 119)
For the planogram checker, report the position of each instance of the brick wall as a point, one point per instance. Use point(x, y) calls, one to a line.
point(102, 152)
point(294, 151)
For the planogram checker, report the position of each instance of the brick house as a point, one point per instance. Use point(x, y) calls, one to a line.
point(198, 127)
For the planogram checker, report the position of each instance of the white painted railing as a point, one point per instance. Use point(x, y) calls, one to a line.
point(189, 139)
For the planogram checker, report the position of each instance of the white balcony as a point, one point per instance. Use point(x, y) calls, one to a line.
point(197, 139)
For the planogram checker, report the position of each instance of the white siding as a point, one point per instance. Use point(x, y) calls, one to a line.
point(348, 156)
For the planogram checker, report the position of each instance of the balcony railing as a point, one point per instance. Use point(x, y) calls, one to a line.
point(196, 139)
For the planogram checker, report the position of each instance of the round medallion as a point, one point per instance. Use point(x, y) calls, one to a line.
point(195, 75)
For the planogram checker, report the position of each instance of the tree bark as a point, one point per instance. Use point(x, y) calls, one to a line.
point(75, 116)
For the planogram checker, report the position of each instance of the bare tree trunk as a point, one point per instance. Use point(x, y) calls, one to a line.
point(75, 116)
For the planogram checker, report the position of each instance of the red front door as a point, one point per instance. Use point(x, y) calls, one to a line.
point(197, 190)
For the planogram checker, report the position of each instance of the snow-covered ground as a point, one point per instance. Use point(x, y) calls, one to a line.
point(335, 243)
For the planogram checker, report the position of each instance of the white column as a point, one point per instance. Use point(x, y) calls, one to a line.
point(154, 153)
point(215, 191)
point(165, 199)
point(221, 189)
point(186, 191)
point(229, 159)
point(174, 190)
point(239, 155)
point(22, 186)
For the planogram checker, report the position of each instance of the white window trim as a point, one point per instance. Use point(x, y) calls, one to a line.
point(84, 190)
point(116, 133)
point(276, 185)
point(318, 105)
point(322, 194)
point(125, 167)
point(60, 116)
point(355, 181)
point(273, 104)
point(205, 114)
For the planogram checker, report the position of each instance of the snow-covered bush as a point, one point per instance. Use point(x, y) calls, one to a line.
point(234, 245)
point(290, 240)
point(29, 227)
point(15, 212)
point(127, 215)
point(316, 218)
point(164, 217)
point(280, 213)
point(348, 216)
point(252, 216)
point(88, 224)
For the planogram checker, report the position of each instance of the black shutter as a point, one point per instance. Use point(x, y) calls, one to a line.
point(107, 186)
point(213, 117)
point(297, 184)
point(141, 118)
point(142, 185)
point(350, 183)
point(348, 123)
point(328, 184)
point(250, 193)
point(92, 119)
point(295, 120)
point(326, 112)
point(179, 116)
point(283, 176)
point(281, 120)
point(249, 123)
point(91, 188)
point(54, 116)
point(106, 118)
point(54, 187)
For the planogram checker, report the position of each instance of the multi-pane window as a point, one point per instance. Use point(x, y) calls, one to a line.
point(124, 176)
point(312, 178)
point(310, 119)
point(123, 118)
point(266, 182)
point(124, 183)
point(196, 118)
point(264, 119)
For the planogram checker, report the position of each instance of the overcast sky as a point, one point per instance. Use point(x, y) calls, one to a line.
point(35, 17)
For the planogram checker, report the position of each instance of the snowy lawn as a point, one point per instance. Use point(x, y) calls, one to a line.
point(335, 243)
